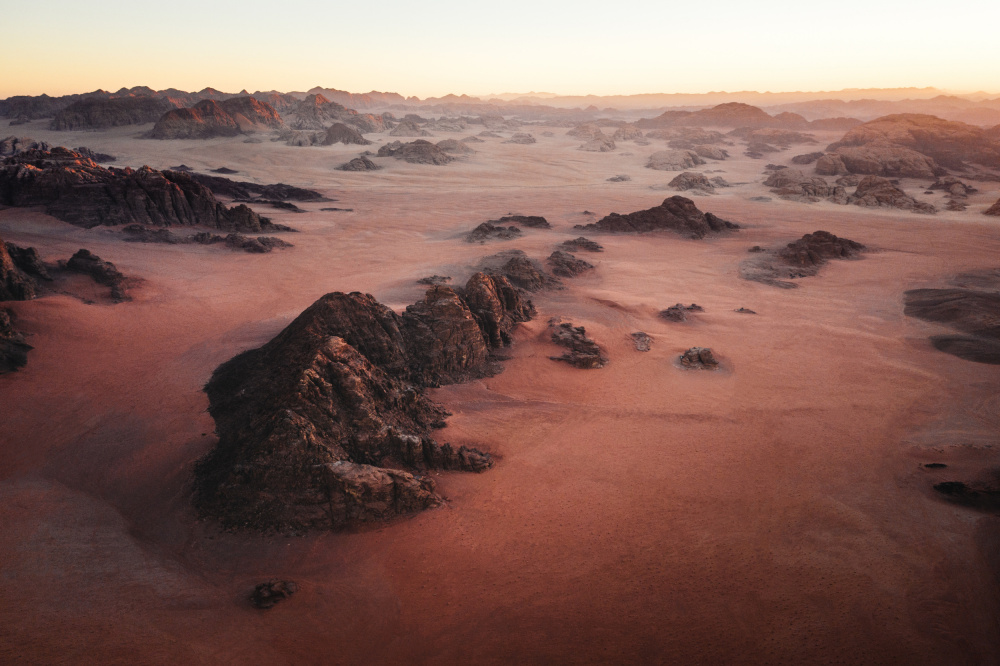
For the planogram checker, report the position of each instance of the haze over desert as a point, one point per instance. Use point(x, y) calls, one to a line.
point(639, 373)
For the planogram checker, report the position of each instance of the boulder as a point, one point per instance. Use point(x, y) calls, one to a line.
point(831, 165)
point(677, 214)
point(711, 152)
point(627, 132)
point(490, 231)
point(798, 259)
point(699, 358)
point(587, 131)
point(679, 312)
point(642, 341)
point(266, 595)
point(13, 145)
point(520, 270)
point(601, 144)
point(807, 158)
point(581, 351)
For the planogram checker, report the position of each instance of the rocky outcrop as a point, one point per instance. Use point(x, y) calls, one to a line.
point(13, 145)
point(208, 119)
point(677, 214)
point(586, 131)
point(679, 312)
point(945, 142)
point(13, 349)
point(993, 210)
point(581, 243)
point(531, 221)
point(581, 351)
point(359, 164)
point(831, 165)
point(341, 133)
point(408, 128)
point(807, 158)
point(627, 132)
point(15, 284)
point(104, 113)
point(798, 259)
point(699, 358)
point(711, 152)
point(455, 147)
point(782, 138)
point(886, 159)
point(690, 180)
point(77, 190)
point(674, 160)
point(327, 425)
point(602, 144)
point(416, 152)
point(520, 270)
point(642, 341)
point(522, 138)
point(953, 186)
point(250, 192)
point(794, 184)
point(102, 272)
point(876, 192)
point(266, 595)
point(973, 310)
point(566, 265)
point(490, 231)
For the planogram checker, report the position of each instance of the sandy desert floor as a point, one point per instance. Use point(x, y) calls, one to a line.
point(775, 511)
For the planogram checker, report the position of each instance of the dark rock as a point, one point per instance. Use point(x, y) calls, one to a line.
point(489, 231)
point(801, 258)
point(258, 245)
point(700, 358)
point(27, 261)
point(677, 214)
point(13, 145)
point(982, 495)
point(338, 210)
point(92, 155)
point(225, 171)
point(972, 311)
point(13, 349)
point(953, 186)
point(581, 243)
point(756, 248)
point(416, 152)
point(711, 152)
point(581, 351)
point(935, 465)
point(266, 595)
point(679, 312)
point(359, 164)
point(520, 270)
point(455, 147)
point(136, 233)
point(247, 191)
point(789, 183)
point(181, 167)
point(642, 341)
point(993, 210)
point(532, 221)
point(316, 426)
point(564, 264)
point(282, 205)
point(434, 279)
point(102, 272)
point(808, 158)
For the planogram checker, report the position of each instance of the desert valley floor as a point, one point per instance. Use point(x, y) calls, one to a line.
point(774, 511)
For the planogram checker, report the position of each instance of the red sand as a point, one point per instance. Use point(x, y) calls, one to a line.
point(772, 512)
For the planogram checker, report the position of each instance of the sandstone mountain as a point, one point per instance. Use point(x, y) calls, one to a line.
point(208, 119)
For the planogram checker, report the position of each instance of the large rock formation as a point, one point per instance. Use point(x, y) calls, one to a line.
point(674, 160)
point(13, 145)
point(993, 210)
point(247, 191)
point(876, 192)
point(416, 152)
point(520, 270)
point(341, 133)
point(677, 214)
point(883, 159)
point(104, 113)
point(77, 190)
point(317, 426)
point(690, 180)
point(408, 128)
point(208, 119)
point(565, 264)
point(947, 142)
point(15, 284)
point(795, 185)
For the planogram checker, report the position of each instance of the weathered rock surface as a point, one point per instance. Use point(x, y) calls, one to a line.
point(643, 342)
point(581, 351)
point(13, 145)
point(341, 133)
point(620, 178)
point(266, 595)
point(798, 259)
point(114, 112)
point(102, 272)
point(520, 270)
point(690, 180)
point(677, 214)
point(586, 131)
point(831, 165)
point(699, 358)
point(679, 312)
point(888, 160)
point(581, 243)
point(359, 164)
point(972, 311)
point(246, 191)
point(953, 186)
point(416, 152)
point(27, 260)
point(209, 118)
point(674, 160)
point(317, 426)
point(794, 184)
point(877, 192)
point(627, 132)
point(711, 152)
point(565, 264)
point(13, 349)
point(75, 189)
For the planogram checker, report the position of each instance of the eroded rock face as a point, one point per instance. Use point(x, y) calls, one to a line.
point(13, 145)
point(565, 264)
point(692, 181)
point(75, 189)
point(327, 425)
point(408, 128)
point(13, 349)
point(209, 118)
point(795, 185)
point(531, 221)
point(520, 270)
point(642, 341)
point(888, 160)
point(341, 133)
point(602, 144)
point(678, 214)
point(15, 285)
point(679, 312)
point(807, 158)
point(102, 272)
point(876, 192)
point(581, 351)
point(416, 152)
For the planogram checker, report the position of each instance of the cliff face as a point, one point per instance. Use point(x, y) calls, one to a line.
point(327, 425)
point(77, 190)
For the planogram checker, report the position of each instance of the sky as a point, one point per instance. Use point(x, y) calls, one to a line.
point(435, 47)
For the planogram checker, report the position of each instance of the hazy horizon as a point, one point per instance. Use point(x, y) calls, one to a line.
point(449, 48)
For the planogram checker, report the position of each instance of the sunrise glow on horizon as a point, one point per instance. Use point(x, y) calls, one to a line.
point(433, 49)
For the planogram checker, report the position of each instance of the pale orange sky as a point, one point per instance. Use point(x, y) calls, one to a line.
point(433, 48)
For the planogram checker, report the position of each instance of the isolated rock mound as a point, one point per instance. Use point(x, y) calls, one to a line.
point(77, 190)
point(690, 180)
point(341, 133)
point(627, 132)
point(798, 259)
point(586, 131)
point(699, 358)
point(266, 595)
point(490, 231)
point(416, 152)
point(602, 144)
point(102, 272)
point(581, 351)
point(318, 427)
point(795, 185)
point(677, 214)
point(408, 128)
point(679, 312)
point(359, 164)
point(581, 243)
point(455, 146)
point(531, 221)
point(251, 192)
point(522, 138)
point(565, 264)
point(674, 160)
point(876, 192)
point(209, 118)
point(993, 210)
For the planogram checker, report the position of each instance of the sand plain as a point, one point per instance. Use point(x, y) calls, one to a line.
point(775, 511)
